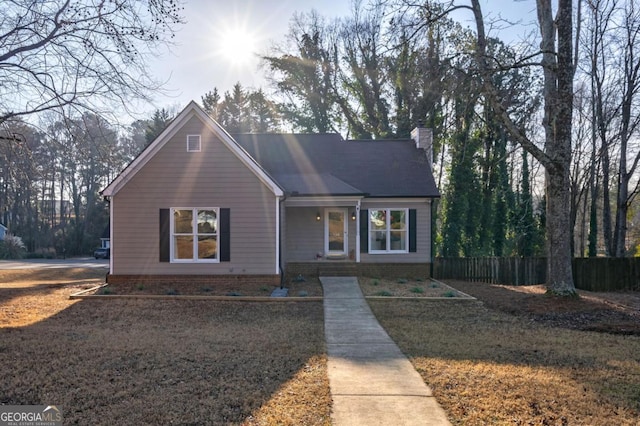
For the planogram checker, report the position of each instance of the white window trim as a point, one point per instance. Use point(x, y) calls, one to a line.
point(199, 141)
point(195, 235)
point(388, 230)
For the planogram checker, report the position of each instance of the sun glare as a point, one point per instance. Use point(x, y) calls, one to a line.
point(238, 46)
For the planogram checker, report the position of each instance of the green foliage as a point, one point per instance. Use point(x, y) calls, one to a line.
point(526, 229)
point(305, 77)
point(160, 120)
point(385, 293)
point(417, 290)
point(243, 110)
point(402, 281)
point(480, 214)
point(461, 199)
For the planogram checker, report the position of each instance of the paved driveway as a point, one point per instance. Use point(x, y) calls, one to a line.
point(76, 262)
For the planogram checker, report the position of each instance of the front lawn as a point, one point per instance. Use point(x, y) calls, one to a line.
point(520, 358)
point(512, 357)
point(159, 361)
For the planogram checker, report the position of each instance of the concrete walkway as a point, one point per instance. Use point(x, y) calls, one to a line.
point(372, 382)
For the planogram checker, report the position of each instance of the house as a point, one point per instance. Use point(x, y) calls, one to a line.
point(201, 204)
point(105, 238)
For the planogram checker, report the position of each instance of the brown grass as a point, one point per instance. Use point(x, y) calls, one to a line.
point(514, 357)
point(489, 366)
point(159, 361)
point(30, 295)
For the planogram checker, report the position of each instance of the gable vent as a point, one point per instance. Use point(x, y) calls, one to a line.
point(193, 143)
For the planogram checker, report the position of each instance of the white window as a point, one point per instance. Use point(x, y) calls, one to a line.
point(193, 143)
point(388, 231)
point(194, 234)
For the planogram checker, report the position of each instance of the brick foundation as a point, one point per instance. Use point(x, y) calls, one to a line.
point(191, 279)
point(378, 270)
point(309, 269)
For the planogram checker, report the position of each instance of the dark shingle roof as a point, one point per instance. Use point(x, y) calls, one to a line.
point(325, 164)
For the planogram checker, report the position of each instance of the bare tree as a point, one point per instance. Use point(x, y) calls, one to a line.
point(629, 120)
point(612, 47)
point(363, 75)
point(597, 42)
point(557, 64)
point(304, 79)
point(82, 53)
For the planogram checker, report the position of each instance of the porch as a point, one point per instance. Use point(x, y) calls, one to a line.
point(320, 230)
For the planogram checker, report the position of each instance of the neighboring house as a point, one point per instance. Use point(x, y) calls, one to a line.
point(200, 204)
point(3, 231)
point(105, 239)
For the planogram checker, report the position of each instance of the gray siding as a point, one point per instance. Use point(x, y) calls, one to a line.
point(305, 235)
point(423, 233)
point(214, 177)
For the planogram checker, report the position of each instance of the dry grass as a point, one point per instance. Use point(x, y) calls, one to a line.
point(30, 295)
point(159, 361)
point(487, 366)
point(515, 357)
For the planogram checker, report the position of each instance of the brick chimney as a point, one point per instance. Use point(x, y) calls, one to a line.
point(423, 137)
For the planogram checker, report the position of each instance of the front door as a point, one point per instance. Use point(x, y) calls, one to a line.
point(335, 232)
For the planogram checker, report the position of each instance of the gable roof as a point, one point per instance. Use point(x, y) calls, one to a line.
point(326, 164)
point(192, 109)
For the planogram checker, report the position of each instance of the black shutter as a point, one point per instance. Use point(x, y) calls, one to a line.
point(165, 237)
point(225, 235)
point(364, 231)
point(412, 231)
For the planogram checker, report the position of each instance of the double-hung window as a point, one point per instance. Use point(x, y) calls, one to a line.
point(194, 234)
point(388, 231)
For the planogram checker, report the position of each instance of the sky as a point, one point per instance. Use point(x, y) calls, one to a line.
point(218, 45)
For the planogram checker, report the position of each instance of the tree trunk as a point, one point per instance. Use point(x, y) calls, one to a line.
point(558, 69)
point(559, 273)
point(558, 145)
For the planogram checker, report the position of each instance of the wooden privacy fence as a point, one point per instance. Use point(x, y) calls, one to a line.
point(607, 273)
point(494, 270)
point(591, 273)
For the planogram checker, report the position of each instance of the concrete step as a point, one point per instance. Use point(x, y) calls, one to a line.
point(337, 269)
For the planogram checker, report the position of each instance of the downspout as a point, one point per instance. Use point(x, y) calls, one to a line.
point(433, 228)
point(108, 201)
point(282, 271)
